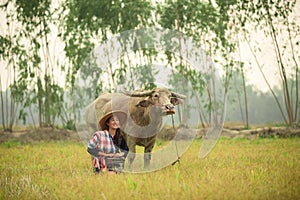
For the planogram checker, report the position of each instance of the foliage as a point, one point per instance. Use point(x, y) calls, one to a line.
point(95, 20)
point(275, 18)
point(207, 25)
point(83, 25)
point(34, 83)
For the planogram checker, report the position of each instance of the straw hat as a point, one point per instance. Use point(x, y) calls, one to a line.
point(120, 114)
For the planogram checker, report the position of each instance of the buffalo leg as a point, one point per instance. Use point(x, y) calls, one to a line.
point(147, 158)
point(147, 151)
point(131, 153)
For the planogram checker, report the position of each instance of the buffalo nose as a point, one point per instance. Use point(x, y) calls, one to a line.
point(170, 106)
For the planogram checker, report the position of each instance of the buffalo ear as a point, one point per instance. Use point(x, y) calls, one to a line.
point(176, 101)
point(143, 103)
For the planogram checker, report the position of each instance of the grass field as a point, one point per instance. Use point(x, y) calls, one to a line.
point(235, 169)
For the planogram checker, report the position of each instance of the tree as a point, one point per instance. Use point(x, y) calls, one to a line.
point(11, 54)
point(274, 18)
point(29, 60)
point(206, 24)
point(95, 20)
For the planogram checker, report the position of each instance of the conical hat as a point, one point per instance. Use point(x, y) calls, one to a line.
point(120, 114)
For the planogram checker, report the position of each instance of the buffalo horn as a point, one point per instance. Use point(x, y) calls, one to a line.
point(181, 96)
point(137, 94)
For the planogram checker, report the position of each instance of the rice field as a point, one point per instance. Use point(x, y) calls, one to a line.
point(235, 169)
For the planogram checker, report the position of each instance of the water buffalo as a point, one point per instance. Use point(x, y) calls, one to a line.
point(145, 110)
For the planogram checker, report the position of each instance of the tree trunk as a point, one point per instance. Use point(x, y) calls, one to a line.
point(244, 86)
point(267, 82)
point(47, 101)
point(282, 67)
point(40, 101)
point(2, 105)
point(296, 71)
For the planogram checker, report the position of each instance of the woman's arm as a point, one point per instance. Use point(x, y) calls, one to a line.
point(97, 153)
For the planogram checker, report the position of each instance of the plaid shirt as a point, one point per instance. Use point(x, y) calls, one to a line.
point(101, 141)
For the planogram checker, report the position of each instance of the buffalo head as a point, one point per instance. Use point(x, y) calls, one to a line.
point(160, 99)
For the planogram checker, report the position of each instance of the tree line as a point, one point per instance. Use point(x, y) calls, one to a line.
point(34, 30)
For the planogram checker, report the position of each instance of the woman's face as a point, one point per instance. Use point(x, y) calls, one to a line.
point(113, 122)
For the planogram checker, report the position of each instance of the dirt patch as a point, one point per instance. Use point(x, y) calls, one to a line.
point(30, 135)
point(167, 133)
point(39, 134)
point(262, 132)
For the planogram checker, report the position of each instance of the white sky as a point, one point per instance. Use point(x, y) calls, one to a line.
point(253, 75)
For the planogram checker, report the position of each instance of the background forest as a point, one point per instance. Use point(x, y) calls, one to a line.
point(44, 43)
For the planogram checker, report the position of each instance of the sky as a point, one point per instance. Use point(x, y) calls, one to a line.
point(253, 76)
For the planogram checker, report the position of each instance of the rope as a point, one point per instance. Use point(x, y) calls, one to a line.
point(178, 158)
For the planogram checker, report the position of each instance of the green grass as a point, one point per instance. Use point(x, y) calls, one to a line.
point(235, 169)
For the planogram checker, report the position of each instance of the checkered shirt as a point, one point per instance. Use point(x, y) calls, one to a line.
point(102, 141)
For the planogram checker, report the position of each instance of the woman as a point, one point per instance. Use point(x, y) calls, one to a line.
point(108, 143)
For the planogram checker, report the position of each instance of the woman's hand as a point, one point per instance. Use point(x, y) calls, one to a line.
point(117, 155)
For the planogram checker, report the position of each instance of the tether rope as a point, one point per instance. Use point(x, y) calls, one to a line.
point(178, 158)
